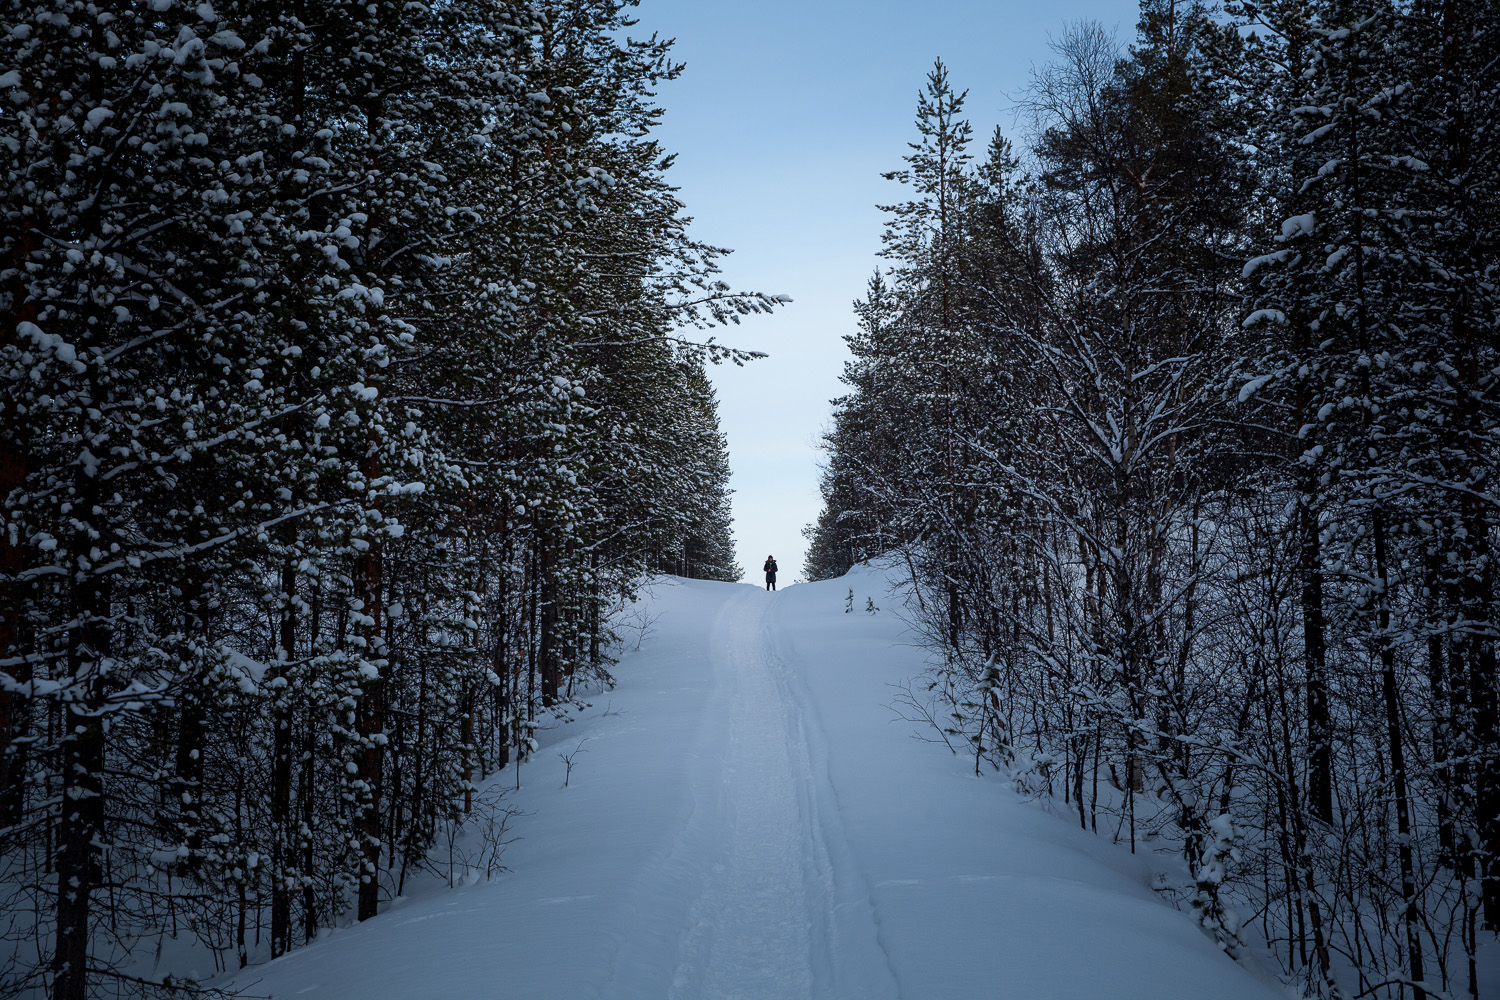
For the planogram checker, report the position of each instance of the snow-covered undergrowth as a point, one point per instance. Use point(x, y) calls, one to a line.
point(745, 815)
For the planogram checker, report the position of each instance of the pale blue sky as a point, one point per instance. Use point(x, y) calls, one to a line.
point(783, 122)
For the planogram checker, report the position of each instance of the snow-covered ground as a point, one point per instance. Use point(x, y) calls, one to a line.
point(749, 819)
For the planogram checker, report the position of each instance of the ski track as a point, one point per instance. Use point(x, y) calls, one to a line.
point(778, 911)
point(745, 829)
point(856, 951)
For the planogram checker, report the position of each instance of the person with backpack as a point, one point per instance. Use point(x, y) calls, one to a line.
point(770, 568)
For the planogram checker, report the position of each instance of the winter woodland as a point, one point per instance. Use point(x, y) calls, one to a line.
point(351, 370)
point(1184, 419)
point(352, 383)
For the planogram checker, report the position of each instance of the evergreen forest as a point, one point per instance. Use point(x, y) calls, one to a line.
point(354, 388)
point(351, 370)
point(1181, 418)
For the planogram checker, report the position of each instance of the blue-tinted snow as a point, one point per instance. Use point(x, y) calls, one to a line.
point(751, 820)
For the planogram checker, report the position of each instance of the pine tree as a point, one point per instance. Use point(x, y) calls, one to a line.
point(1183, 584)
point(309, 314)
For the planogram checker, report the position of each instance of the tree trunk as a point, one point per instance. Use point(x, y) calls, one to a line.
point(547, 646)
point(595, 657)
point(14, 708)
point(1314, 644)
point(1486, 774)
point(281, 760)
point(370, 727)
point(466, 738)
point(80, 828)
point(1398, 761)
point(14, 447)
point(186, 784)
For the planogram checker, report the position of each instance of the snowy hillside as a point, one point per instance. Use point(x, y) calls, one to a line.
point(747, 818)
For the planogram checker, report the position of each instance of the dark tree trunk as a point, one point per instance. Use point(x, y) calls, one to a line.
point(370, 726)
point(1398, 761)
point(14, 708)
point(1315, 651)
point(80, 828)
point(14, 447)
point(595, 659)
point(505, 690)
point(281, 761)
point(1485, 700)
point(186, 786)
point(548, 645)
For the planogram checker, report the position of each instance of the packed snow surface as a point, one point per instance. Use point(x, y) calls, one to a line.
point(748, 818)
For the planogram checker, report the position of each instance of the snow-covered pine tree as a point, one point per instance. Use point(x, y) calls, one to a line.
point(708, 541)
point(137, 266)
point(927, 238)
point(1442, 427)
point(1297, 563)
point(1368, 289)
point(859, 518)
point(300, 315)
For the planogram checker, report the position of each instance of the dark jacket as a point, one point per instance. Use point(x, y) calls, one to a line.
point(770, 567)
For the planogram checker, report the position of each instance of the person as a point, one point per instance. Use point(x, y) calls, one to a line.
point(770, 569)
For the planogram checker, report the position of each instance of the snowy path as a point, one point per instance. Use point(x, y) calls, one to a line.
point(760, 922)
point(748, 824)
point(764, 922)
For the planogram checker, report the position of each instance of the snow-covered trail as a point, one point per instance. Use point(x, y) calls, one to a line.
point(745, 821)
point(763, 921)
point(766, 905)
